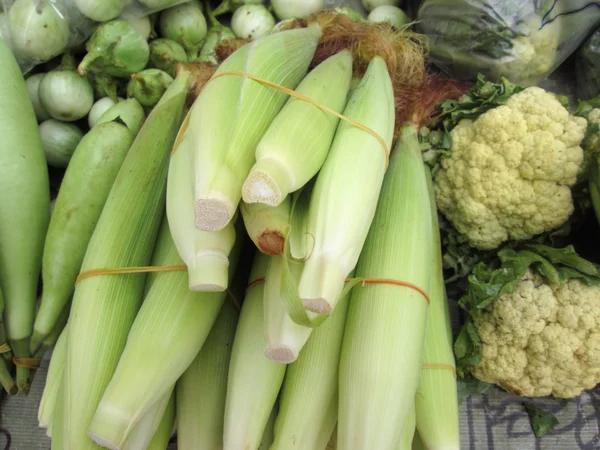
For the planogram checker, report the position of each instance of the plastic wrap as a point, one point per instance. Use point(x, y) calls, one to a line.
point(38, 30)
point(523, 40)
point(587, 67)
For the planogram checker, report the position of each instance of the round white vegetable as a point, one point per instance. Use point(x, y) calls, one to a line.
point(33, 87)
point(252, 21)
point(141, 24)
point(288, 9)
point(370, 5)
point(65, 95)
point(59, 140)
point(390, 14)
point(100, 10)
point(38, 30)
point(99, 108)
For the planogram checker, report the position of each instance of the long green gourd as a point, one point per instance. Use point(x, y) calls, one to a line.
point(81, 198)
point(24, 208)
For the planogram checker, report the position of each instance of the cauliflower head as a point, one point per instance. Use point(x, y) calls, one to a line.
point(509, 172)
point(541, 340)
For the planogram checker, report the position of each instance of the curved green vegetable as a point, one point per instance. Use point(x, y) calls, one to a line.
point(116, 49)
point(80, 201)
point(186, 25)
point(165, 54)
point(24, 208)
point(148, 86)
point(129, 111)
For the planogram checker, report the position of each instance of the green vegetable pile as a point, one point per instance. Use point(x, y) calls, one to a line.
point(207, 253)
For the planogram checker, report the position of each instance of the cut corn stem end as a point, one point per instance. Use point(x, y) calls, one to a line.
point(269, 182)
point(281, 354)
point(321, 284)
point(271, 242)
point(210, 273)
point(213, 214)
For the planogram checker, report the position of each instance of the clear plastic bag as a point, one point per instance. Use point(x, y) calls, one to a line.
point(140, 8)
point(587, 67)
point(38, 30)
point(523, 40)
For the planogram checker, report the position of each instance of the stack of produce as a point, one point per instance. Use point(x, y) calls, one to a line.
point(245, 245)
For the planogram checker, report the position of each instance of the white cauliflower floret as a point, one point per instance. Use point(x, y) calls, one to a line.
point(509, 173)
point(540, 340)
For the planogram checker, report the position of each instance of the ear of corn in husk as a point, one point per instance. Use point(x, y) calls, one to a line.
point(254, 381)
point(143, 434)
point(202, 388)
point(408, 433)
point(247, 108)
point(205, 253)
point(385, 329)
point(341, 208)
point(173, 322)
point(296, 144)
point(436, 402)
point(310, 388)
point(285, 338)
point(267, 225)
point(53, 382)
point(124, 236)
point(162, 436)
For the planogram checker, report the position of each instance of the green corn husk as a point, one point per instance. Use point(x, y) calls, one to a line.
point(269, 434)
point(162, 436)
point(246, 109)
point(53, 382)
point(105, 306)
point(328, 435)
point(254, 381)
point(310, 388)
point(202, 388)
point(205, 253)
point(266, 225)
point(408, 433)
point(173, 321)
point(145, 430)
point(285, 337)
point(56, 430)
point(436, 402)
point(342, 209)
point(382, 352)
point(296, 144)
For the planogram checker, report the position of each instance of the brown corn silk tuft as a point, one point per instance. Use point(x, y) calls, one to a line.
point(435, 89)
point(201, 73)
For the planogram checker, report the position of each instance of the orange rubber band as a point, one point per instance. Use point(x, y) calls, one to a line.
point(4, 348)
point(291, 93)
point(364, 283)
point(440, 366)
point(125, 270)
point(27, 363)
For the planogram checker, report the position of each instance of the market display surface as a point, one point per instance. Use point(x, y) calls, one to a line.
point(302, 225)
